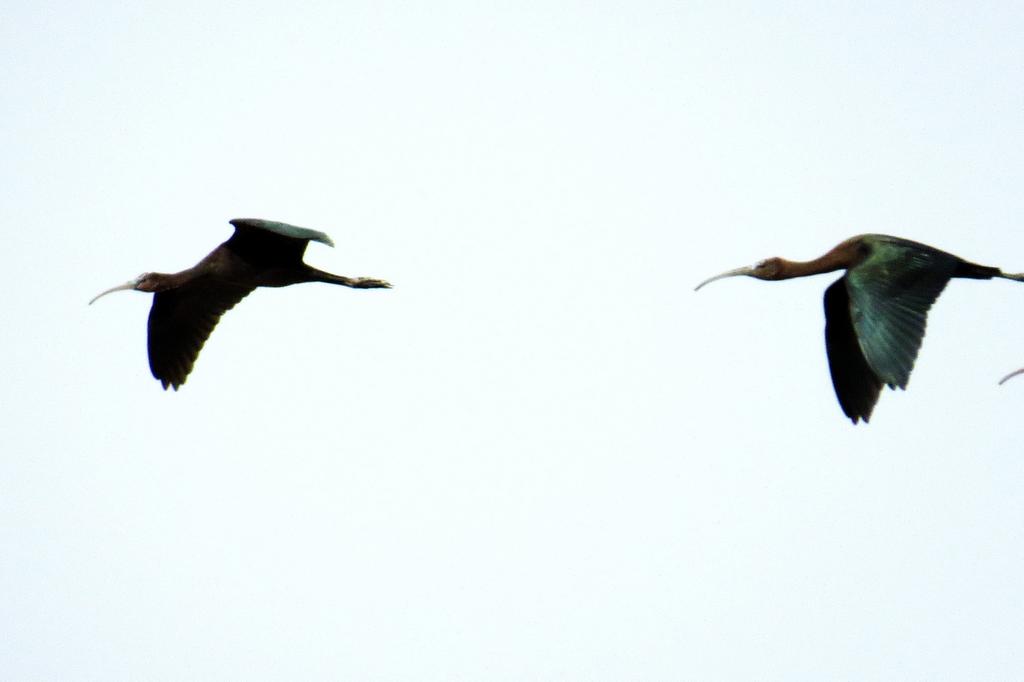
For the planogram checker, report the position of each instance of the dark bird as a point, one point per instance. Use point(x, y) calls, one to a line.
point(187, 305)
point(875, 314)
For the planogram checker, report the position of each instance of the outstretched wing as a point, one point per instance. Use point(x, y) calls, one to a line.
point(855, 383)
point(266, 242)
point(890, 294)
point(181, 320)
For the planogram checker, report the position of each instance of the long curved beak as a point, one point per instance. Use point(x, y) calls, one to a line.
point(745, 270)
point(1010, 376)
point(131, 284)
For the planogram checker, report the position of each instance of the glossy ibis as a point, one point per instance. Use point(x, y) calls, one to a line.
point(875, 314)
point(188, 304)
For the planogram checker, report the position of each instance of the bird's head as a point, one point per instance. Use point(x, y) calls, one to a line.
point(769, 268)
point(147, 282)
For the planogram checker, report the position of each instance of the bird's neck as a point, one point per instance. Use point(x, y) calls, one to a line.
point(163, 281)
point(837, 259)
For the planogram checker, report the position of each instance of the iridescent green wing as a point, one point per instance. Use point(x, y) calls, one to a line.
point(890, 294)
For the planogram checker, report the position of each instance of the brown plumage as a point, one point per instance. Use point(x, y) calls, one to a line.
point(187, 305)
point(875, 314)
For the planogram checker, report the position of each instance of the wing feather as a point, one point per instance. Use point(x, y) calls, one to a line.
point(855, 383)
point(181, 320)
point(890, 295)
point(264, 242)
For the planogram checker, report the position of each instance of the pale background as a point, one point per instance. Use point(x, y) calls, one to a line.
point(542, 455)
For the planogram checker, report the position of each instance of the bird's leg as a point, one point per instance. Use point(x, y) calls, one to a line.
point(354, 282)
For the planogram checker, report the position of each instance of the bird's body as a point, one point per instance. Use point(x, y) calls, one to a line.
point(188, 304)
point(875, 314)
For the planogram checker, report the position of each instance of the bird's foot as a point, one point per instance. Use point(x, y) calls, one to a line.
point(369, 283)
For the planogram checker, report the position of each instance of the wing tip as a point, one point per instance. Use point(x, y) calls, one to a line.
point(286, 229)
point(169, 383)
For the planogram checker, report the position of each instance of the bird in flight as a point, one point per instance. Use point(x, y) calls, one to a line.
point(187, 305)
point(875, 314)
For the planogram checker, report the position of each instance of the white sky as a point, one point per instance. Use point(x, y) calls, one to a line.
point(541, 456)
